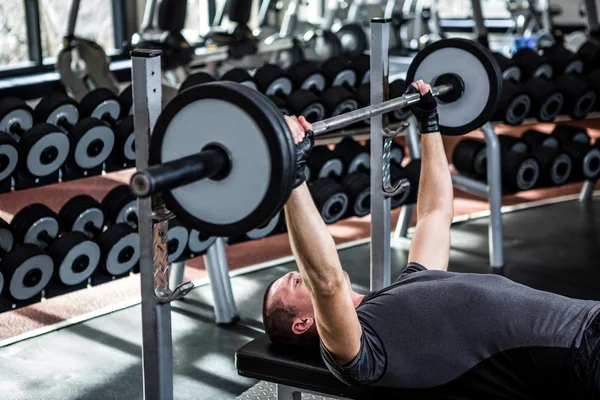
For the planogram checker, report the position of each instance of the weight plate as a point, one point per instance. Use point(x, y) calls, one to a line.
point(34, 221)
point(15, 111)
point(79, 211)
point(591, 164)
point(120, 206)
point(92, 142)
point(120, 249)
point(100, 102)
point(178, 238)
point(199, 78)
point(43, 150)
point(263, 159)
point(27, 271)
point(75, 257)
point(9, 155)
point(6, 237)
point(125, 138)
point(479, 72)
point(264, 231)
point(198, 242)
point(126, 102)
point(57, 107)
point(353, 39)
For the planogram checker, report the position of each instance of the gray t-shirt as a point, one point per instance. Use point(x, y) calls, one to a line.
point(453, 335)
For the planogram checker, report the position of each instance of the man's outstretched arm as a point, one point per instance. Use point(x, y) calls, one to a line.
point(321, 270)
point(430, 244)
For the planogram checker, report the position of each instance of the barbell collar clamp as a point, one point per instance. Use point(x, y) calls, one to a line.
point(212, 162)
point(362, 114)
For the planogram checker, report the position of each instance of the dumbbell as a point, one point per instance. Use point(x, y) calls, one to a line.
point(514, 105)
point(580, 98)
point(411, 172)
point(356, 160)
point(546, 99)
point(126, 101)
point(25, 270)
point(362, 68)
point(520, 171)
point(589, 52)
point(307, 75)
point(277, 85)
point(338, 71)
point(199, 78)
point(330, 199)
point(469, 157)
point(239, 75)
point(555, 164)
point(323, 163)
point(510, 68)
point(74, 255)
point(532, 64)
point(9, 156)
point(42, 148)
point(586, 158)
point(354, 156)
point(120, 206)
point(593, 81)
point(563, 61)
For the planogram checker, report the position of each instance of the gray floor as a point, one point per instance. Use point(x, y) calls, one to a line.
point(553, 248)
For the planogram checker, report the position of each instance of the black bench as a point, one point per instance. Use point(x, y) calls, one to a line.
point(294, 371)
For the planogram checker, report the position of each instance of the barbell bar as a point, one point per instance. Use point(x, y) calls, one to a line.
point(223, 158)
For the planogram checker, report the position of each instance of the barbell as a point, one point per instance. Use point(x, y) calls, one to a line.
point(223, 158)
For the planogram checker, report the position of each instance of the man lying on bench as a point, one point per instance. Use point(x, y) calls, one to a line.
point(431, 334)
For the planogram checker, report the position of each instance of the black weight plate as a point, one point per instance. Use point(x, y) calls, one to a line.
point(479, 72)
point(126, 102)
point(338, 71)
point(32, 221)
point(330, 199)
point(100, 102)
point(6, 237)
point(281, 104)
point(353, 39)
point(92, 141)
point(270, 79)
point(199, 78)
point(263, 162)
point(79, 211)
point(120, 249)
point(14, 111)
point(239, 75)
point(306, 75)
point(362, 68)
point(26, 270)
point(125, 139)
point(509, 67)
point(43, 150)
point(120, 205)
point(57, 107)
point(306, 103)
point(75, 258)
point(9, 155)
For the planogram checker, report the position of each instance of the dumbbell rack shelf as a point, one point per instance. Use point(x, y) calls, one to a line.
point(559, 119)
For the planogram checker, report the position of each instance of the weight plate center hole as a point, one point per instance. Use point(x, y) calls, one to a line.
point(126, 254)
point(172, 246)
point(562, 168)
point(528, 174)
point(553, 107)
point(458, 87)
point(49, 155)
point(95, 148)
point(80, 264)
point(32, 278)
point(4, 161)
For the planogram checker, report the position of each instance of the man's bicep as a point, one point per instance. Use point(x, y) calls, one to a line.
point(430, 244)
point(337, 323)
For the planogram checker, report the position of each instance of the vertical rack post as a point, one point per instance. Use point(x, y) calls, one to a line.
point(220, 283)
point(157, 351)
point(380, 204)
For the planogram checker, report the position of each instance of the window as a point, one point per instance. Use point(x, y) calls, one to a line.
point(13, 33)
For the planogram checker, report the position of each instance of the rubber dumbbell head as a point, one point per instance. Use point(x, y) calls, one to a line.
point(57, 109)
point(199, 243)
point(593, 81)
point(580, 99)
point(324, 163)
point(546, 99)
point(354, 156)
point(75, 257)
point(510, 69)
point(589, 52)
point(338, 72)
point(555, 165)
point(569, 133)
point(26, 271)
point(532, 64)
point(307, 75)
point(564, 61)
point(82, 213)
point(358, 188)
point(102, 104)
point(330, 199)
point(469, 158)
point(512, 144)
point(35, 224)
point(412, 172)
point(270, 79)
point(586, 160)
point(306, 103)
point(239, 75)
point(353, 39)
point(281, 104)
point(120, 206)
point(535, 139)
point(338, 100)
point(199, 78)
point(120, 249)
point(126, 101)
point(92, 142)
point(9, 156)
point(519, 172)
point(362, 68)
point(124, 147)
point(514, 105)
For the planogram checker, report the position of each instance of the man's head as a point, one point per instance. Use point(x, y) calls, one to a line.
point(288, 314)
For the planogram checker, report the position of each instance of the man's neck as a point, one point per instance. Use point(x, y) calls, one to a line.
point(357, 298)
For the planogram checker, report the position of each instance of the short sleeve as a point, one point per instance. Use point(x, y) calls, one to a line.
point(367, 367)
point(411, 268)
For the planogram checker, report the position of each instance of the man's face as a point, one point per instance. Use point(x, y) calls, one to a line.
point(291, 290)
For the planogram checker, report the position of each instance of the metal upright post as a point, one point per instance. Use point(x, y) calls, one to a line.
point(380, 204)
point(220, 283)
point(587, 191)
point(592, 17)
point(329, 14)
point(481, 31)
point(546, 16)
point(494, 178)
point(157, 351)
point(414, 149)
point(290, 18)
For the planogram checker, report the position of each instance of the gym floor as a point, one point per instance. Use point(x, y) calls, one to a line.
point(550, 247)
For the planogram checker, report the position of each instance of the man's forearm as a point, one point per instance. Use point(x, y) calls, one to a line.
point(435, 185)
point(311, 242)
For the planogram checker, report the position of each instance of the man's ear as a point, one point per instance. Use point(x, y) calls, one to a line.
point(302, 324)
